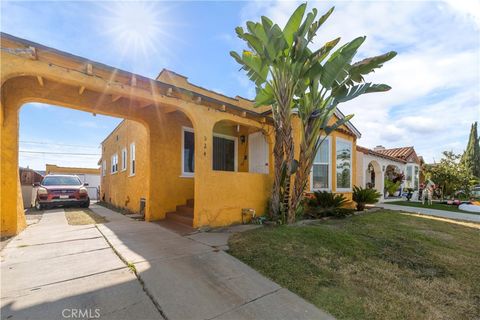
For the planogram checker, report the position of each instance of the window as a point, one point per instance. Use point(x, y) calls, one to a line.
point(224, 153)
point(344, 165)
point(188, 152)
point(411, 176)
point(320, 177)
point(104, 167)
point(114, 167)
point(416, 178)
point(61, 181)
point(124, 159)
point(132, 159)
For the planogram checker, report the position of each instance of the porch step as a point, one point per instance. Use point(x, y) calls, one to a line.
point(183, 214)
point(179, 218)
point(186, 211)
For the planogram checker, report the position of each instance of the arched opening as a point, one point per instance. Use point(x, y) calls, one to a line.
point(393, 181)
point(239, 148)
point(373, 176)
point(54, 140)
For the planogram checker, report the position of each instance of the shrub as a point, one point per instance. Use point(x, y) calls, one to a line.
point(391, 186)
point(364, 196)
point(324, 204)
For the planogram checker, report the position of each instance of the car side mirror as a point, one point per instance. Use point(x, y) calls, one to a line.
point(36, 184)
point(85, 184)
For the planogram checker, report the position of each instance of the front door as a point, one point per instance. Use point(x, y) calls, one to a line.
point(257, 153)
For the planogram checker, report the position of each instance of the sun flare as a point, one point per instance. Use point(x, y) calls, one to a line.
point(136, 27)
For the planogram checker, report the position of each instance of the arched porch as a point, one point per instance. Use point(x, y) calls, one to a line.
point(32, 72)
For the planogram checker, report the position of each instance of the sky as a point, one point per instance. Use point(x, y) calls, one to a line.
point(435, 77)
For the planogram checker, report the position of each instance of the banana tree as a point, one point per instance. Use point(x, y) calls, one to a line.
point(315, 109)
point(276, 63)
point(289, 76)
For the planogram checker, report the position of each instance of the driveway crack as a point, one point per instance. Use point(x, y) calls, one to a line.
point(140, 280)
point(245, 303)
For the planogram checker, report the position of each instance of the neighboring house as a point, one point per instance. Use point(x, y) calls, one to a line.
point(27, 178)
point(374, 165)
point(239, 165)
point(86, 175)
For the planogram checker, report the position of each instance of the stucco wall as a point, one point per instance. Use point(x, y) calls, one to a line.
point(122, 189)
point(125, 191)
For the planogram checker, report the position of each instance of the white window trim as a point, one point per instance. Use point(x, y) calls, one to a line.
point(186, 174)
point(329, 169)
point(124, 161)
point(235, 140)
point(114, 156)
point(351, 165)
point(132, 158)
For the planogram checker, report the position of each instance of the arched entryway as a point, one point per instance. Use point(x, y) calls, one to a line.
point(31, 72)
point(45, 75)
point(393, 181)
point(374, 177)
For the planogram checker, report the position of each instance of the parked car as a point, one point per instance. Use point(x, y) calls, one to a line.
point(61, 190)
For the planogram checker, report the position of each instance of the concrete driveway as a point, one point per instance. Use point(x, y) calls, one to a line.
point(52, 266)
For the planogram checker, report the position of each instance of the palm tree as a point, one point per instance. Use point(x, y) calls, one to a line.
point(291, 77)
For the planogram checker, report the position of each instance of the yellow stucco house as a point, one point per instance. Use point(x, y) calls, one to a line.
point(184, 142)
point(239, 170)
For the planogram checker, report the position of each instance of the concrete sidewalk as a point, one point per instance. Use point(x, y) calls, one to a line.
point(433, 212)
point(52, 266)
point(53, 271)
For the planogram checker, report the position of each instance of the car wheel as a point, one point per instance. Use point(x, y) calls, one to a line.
point(38, 205)
point(86, 204)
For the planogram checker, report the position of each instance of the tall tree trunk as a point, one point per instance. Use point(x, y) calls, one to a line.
point(300, 182)
point(278, 160)
point(289, 158)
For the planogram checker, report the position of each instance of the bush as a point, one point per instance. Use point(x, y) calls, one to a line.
point(364, 196)
point(324, 204)
point(391, 186)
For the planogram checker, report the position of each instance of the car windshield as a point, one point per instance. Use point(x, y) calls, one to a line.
point(61, 181)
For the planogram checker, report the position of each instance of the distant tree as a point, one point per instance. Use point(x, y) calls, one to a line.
point(450, 174)
point(471, 156)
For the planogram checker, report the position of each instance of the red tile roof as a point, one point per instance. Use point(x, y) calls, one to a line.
point(401, 153)
point(378, 154)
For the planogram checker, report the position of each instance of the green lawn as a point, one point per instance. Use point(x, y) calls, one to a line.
point(438, 206)
point(382, 265)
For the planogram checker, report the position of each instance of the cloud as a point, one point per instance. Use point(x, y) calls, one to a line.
point(435, 76)
point(40, 106)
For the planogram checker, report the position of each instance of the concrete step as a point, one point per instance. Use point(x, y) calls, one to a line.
point(180, 228)
point(180, 218)
point(190, 203)
point(184, 210)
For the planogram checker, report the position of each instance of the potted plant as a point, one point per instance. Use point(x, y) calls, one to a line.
point(364, 196)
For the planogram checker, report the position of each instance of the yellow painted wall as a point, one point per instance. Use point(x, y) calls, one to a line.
point(125, 191)
point(122, 189)
point(66, 81)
